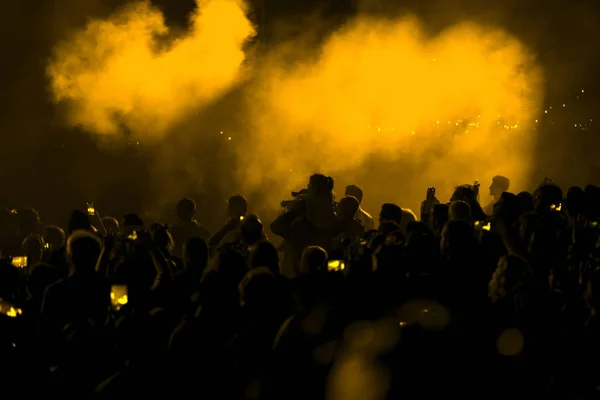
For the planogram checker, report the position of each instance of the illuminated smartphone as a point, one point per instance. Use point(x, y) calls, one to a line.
point(10, 310)
point(118, 296)
point(19, 262)
point(241, 218)
point(487, 226)
point(336, 265)
point(556, 207)
point(133, 236)
point(91, 209)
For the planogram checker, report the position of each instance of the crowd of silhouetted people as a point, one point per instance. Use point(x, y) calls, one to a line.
point(479, 301)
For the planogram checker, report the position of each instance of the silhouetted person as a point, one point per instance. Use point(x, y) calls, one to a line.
point(39, 278)
point(111, 224)
point(54, 237)
point(313, 261)
point(29, 222)
point(390, 213)
point(237, 208)
point(187, 227)
point(264, 254)
point(79, 221)
point(500, 184)
point(33, 249)
point(361, 215)
point(459, 211)
point(349, 226)
point(83, 295)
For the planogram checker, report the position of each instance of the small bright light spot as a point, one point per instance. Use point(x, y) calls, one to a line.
point(229, 138)
point(536, 121)
point(582, 91)
point(545, 111)
point(221, 132)
point(564, 105)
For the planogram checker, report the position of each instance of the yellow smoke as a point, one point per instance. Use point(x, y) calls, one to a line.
point(461, 105)
point(126, 70)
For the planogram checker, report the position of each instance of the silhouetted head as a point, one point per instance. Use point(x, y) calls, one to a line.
point(575, 201)
point(526, 202)
point(162, 237)
point(29, 221)
point(83, 251)
point(258, 289)
point(546, 197)
point(196, 254)
point(314, 260)
point(390, 212)
point(39, 278)
point(111, 224)
point(500, 184)
point(459, 211)
point(237, 206)
point(264, 254)
point(319, 183)
point(457, 238)
point(131, 221)
point(508, 207)
point(348, 207)
point(33, 248)
point(55, 236)
point(252, 229)
point(79, 221)
point(354, 190)
point(186, 209)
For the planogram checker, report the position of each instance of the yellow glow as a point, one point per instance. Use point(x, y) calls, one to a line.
point(310, 116)
point(126, 69)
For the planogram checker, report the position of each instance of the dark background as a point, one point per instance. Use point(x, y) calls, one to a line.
point(55, 169)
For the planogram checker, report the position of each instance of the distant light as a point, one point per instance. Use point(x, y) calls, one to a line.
point(221, 132)
point(536, 121)
point(437, 122)
point(575, 125)
point(545, 111)
point(551, 107)
point(582, 91)
point(564, 105)
point(498, 115)
point(229, 138)
point(138, 143)
point(413, 132)
point(434, 59)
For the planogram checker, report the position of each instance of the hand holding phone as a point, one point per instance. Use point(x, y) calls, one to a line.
point(10, 310)
point(91, 210)
point(118, 296)
point(19, 262)
point(336, 265)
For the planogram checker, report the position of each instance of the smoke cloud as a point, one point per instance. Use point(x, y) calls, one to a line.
point(128, 71)
point(448, 109)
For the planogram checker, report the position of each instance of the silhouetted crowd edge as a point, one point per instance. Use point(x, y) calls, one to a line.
point(489, 302)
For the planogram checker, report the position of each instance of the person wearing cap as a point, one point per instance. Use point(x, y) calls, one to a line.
point(500, 184)
point(361, 215)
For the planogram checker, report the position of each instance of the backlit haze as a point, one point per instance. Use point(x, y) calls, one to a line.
point(118, 71)
point(376, 96)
